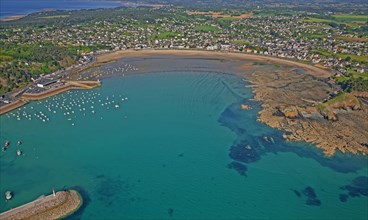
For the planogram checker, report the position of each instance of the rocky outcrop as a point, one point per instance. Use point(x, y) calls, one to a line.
point(245, 107)
point(289, 104)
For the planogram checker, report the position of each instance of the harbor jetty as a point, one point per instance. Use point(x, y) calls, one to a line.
point(66, 86)
point(54, 206)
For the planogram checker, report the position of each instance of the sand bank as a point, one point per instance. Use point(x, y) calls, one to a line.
point(50, 207)
point(112, 56)
point(12, 18)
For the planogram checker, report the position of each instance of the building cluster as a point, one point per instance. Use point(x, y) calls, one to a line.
point(291, 37)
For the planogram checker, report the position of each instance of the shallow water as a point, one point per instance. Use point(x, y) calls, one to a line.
point(178, 146)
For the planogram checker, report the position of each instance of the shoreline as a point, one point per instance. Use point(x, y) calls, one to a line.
point(13, 17)
point(116, 55)
point(289, 98)
point(111, 57)
point(26, 97)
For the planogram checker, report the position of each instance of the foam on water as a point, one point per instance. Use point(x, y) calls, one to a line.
point(178, 146)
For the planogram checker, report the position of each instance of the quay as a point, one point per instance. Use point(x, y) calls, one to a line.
point(54, 206)
point(68, 85)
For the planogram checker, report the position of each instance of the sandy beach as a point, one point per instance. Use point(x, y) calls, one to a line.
point(112, 56)
point(12, 18)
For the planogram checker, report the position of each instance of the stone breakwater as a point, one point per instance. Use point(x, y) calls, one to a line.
point(61, 205)
point(69, 85)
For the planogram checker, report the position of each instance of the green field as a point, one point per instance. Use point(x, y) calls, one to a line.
point(353, 57)
point(316, 20)
point(356, 75)
point(226, 19)
point(342, 97)
point(206, 28)
point(352, 39)
point(324, 53)
point(241, 42)
point(345, 18)
point(55, 16)
point(339, 19)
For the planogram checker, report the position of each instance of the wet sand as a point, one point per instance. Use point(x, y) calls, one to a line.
point(113, 56)
point(12, 18)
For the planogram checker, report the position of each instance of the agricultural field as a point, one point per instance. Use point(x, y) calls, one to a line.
point(345, 18)
point(352, 39)
point(349, 20)
point(229, 16)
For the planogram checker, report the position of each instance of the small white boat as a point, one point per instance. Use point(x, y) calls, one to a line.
point(117, 106)
point(8, 195)
point(19, 152)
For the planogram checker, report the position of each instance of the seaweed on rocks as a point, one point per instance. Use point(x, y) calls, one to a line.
point(358, 187)
point(243, 152)
point(311, 196)
point(249, 148)
point(239, 167)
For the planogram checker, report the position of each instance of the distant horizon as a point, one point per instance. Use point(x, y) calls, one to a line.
point(11, 8)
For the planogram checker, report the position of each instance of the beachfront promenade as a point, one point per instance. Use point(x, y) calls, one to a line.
point(48, 207)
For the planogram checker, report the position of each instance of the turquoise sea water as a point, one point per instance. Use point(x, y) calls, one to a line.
point(177, 147)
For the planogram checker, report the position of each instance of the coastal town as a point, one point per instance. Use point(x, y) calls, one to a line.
point(299, 68)
point(338, 44)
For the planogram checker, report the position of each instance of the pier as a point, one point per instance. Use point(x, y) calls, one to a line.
point(54, 206)
point(68, 85)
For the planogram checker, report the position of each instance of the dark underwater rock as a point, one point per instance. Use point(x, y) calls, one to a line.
point(357, 188)
point(311, 196)
point(244, 153)
point(240, 168)
point(343, 197)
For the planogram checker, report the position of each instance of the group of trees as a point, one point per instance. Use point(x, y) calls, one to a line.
point(18, 63)
point(355, 84)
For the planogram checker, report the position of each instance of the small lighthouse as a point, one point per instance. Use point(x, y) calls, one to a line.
point(53, 191)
